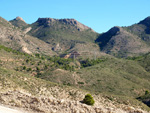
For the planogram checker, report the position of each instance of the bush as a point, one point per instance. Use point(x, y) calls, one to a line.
point(24, 67)
point(88, 99)
point(146, 92)
point(29, 69)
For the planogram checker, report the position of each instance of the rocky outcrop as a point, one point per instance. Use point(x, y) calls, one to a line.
point(19, 18)
point(47, 22)
point(75, 23)
point(57, 48)
point(27, 30)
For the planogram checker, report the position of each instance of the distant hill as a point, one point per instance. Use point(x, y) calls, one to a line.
point(15, 38)
point(66, 35)
point(126, 41)
point(63, 35)
point(19, 22)
point(66, 32)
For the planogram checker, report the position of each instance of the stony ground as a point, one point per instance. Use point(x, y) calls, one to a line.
point(43, 104)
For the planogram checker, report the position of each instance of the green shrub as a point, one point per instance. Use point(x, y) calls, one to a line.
point(37, 68)
point(29, 69)
point(146, 92)
point(27, 61)
point(24, 67)
point(88, 99)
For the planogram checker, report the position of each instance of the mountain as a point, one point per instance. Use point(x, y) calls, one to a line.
point(15, 38)
point(68, 33)
point(126, 41)
point(142, 29)
point(51, 30)
point(63, 35)
point(19, 22)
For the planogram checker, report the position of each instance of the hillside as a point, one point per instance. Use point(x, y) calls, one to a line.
point(19, 22)
point(142, 30)
point(115, 76)
point(67, 35)
point(21, 89)
point(31, 69)
point(126, 41)
point(63, 35)
point(50, 30)
point(15, 38)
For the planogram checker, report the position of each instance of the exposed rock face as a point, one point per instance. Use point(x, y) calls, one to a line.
point(49, 21)
point(27, 30)
point(57, 47)
point(25, 49)
point(74, 22)
point(46, 21)
point(19, 18)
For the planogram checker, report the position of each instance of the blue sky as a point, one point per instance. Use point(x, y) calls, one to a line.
point(100, 15)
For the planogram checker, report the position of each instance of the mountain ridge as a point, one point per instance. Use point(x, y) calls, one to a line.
point(126, 41)
point(118, 41)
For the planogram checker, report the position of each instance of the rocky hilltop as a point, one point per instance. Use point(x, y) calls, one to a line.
point(50, 21)
point(19, 19)
point(145, 22)
point(67, 32)
point(126, 41)
point(19, 22)
point(15, 38)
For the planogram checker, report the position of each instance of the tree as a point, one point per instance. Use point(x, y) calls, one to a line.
point(88, 99)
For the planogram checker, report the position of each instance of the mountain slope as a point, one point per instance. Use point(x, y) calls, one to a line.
point(119, 42)
point(126, 41)
point(67, 35)
point(15, 38)
point(142, 29)
point(66, 32)
point(19, 22)
point(63, 35)
point(112, 75)
point(20, 89)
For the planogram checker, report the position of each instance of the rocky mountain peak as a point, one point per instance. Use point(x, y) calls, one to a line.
point(72, 22)
point(145, 22)
point(114, 30)
point(45, 20)
point(75, 23)
point(19, 18)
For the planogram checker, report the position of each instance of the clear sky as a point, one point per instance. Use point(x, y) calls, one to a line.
point(100, 15)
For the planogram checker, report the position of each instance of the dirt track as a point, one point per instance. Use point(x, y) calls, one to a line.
point(9, 110)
